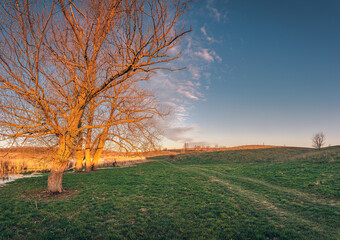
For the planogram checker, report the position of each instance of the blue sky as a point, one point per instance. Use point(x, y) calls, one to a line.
point(257, 72)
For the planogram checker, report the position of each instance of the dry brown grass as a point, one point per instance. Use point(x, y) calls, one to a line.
point(25, 159)
point(33, 159)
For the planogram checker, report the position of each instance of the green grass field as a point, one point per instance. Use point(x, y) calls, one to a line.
point(283, 193)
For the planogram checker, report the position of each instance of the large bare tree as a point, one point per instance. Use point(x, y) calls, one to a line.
point(58, 56)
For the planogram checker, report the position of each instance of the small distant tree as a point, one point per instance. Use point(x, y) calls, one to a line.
point(318, 140)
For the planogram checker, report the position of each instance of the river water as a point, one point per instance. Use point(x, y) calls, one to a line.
point(12, 177)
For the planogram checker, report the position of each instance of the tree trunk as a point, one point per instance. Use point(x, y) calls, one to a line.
point(88, 161)
point(99, 149)
point(88, 140)
point(96, 159)
point(79, 156)
point(79, 160)
point(55, 178)
point(60, 162)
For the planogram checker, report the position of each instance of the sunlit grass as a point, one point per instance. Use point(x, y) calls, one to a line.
point(250, 194)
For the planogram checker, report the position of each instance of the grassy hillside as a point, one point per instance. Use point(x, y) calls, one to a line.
point(283, 193)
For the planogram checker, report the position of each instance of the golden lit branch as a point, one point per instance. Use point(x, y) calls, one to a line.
point(61, 59)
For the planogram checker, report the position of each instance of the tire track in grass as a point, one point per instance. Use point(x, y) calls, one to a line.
point(263, 202)
point(302, 195)
point(259, 199)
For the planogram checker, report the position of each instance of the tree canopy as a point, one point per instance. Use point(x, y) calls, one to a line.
point(58, 57)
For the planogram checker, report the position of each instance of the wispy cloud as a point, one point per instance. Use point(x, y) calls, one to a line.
point(174, 51)
point(204, 53)
point(178, 134)
point(176, 91)
point(204, 31)
point(215, 13)
point(195, 72)
point(208, 55)
point(184, 134)
point(208, 38)
point(216, 56)
point(188, 94)
point(179, 91)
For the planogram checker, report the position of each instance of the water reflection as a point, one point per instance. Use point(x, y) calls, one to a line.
point(12, 177)
point(14, 166)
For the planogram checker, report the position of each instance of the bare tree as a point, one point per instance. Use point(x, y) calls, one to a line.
point(59, 56)
point(318, 140)
point(124, 118)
